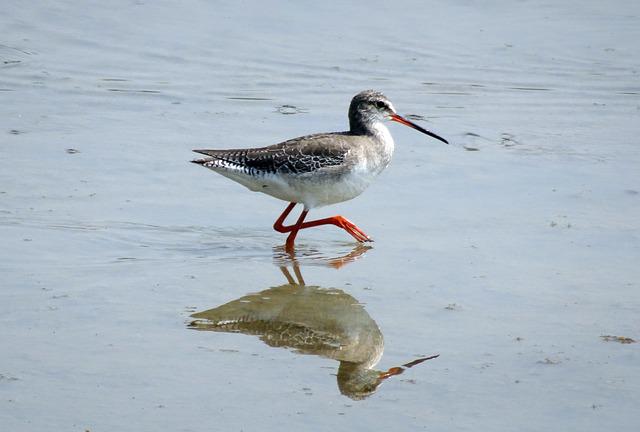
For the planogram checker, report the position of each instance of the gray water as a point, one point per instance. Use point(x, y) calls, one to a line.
point(510, 253)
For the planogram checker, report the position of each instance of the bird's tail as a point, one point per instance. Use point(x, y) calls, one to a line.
point(202, 161)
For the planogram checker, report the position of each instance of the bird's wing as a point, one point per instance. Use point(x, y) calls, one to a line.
point(297, 156)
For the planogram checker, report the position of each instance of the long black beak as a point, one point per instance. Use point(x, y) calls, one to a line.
point(404, 121)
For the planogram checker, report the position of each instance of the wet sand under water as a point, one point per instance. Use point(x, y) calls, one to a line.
point(512, 253)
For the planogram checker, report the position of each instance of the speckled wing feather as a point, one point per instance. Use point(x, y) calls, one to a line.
point(297, 156)
point(275, 333)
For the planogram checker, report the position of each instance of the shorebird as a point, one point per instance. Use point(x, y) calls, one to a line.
point(320, 169)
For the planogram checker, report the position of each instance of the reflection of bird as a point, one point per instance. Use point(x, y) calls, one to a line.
point(310, 320)
point(320, 169)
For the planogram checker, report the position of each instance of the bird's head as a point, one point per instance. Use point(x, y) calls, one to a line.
point(370, 107)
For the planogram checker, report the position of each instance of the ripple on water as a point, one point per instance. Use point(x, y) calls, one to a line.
point(128, 241)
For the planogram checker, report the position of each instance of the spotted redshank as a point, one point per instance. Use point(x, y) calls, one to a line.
point(320, 169)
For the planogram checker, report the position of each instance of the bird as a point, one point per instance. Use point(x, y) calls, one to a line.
point(319, 169)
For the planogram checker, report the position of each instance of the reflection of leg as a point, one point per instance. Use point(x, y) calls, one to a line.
point(296, 270)
point(294, 231)
point(286, 274)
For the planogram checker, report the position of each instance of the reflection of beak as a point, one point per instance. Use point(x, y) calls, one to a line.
point(399, 369)
point(404, 121)
point(391, 372)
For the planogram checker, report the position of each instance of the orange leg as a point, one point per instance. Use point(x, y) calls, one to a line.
point(338, 221)
point(341, 222)
point(294, 231)
point(278, 225)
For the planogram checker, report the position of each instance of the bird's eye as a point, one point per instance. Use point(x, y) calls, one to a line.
point(380, 104)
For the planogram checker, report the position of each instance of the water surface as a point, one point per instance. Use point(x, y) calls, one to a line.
point(510, 253)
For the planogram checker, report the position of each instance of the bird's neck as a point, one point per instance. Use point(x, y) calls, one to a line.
point(380, 148)
point(384, 139)
point(380, 131)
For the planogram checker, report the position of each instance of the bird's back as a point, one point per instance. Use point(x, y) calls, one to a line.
point(296, 156)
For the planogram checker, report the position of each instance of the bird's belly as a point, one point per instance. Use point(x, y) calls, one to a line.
point(317, 191)
point(322, 192)
point(312, 191)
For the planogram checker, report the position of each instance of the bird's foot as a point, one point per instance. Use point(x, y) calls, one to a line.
point(351, 228)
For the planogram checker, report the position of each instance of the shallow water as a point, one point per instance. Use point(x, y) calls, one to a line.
point(509, 253)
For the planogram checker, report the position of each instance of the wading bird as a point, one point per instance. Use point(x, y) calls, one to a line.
point(320, 169)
